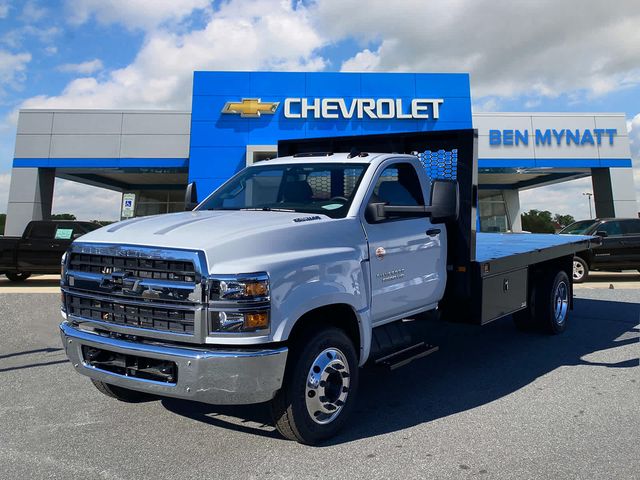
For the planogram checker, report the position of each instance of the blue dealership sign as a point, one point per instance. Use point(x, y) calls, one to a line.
point(232, 110)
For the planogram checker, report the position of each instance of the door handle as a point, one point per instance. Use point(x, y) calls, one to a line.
point(432, 232)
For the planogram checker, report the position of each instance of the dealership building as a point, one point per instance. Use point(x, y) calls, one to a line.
point(237, 118)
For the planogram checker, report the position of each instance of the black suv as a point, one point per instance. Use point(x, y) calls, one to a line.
point(619, 250)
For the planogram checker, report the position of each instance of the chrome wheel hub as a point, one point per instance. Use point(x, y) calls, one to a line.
point(561, 302)
point(578, 270)
point(327, 386)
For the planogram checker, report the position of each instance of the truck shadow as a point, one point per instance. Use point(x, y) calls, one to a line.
point(475, 366)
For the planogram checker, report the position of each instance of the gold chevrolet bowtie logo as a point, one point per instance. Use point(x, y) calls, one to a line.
point(250, 107)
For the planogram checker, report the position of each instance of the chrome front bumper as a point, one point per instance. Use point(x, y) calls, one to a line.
point(211, 376)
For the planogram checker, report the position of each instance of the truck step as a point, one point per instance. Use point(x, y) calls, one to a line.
point(406, 355)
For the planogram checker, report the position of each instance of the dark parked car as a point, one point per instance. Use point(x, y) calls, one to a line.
point(40, 248)
point(619, 249)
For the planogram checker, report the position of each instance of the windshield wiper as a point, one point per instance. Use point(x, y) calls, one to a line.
point(266, 209)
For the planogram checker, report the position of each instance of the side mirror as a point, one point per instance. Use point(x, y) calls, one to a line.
point(445, 205)
point(601, 233)
point(445, 201)
point(190, 197)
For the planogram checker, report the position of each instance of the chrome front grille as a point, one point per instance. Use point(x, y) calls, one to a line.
point(140, 315)
point(141, 291)
point(147, 268)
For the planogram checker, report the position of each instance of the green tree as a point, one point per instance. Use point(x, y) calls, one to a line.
point(63, 216)
point(536, 221)
point(3, 219)
point(563, 220)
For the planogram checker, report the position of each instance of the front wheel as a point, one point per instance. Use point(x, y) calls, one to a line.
point(580, 270)
point(319, 388)
point(18, 276)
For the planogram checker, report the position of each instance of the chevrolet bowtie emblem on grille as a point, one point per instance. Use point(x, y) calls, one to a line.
point(250, 107)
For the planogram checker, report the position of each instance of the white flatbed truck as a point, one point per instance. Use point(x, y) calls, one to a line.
point(298, 271)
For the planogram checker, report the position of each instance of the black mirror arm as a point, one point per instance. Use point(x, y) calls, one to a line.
point(406, 211)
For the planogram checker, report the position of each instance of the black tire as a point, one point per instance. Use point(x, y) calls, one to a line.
point(551, 307)
point(18, 276)
point(121, 394)
point(289, 409)
point(580, 270)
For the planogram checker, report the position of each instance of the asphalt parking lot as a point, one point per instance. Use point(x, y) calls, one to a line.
point(492, 403)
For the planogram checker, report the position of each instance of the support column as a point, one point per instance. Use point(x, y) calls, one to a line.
point(614, 193)
point(30, 198)
point(512, 202)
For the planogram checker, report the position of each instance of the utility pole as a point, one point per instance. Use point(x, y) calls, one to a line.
point(589, 194)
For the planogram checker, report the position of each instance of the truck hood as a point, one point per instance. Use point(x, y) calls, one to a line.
point(198, 230)
point(235, 241)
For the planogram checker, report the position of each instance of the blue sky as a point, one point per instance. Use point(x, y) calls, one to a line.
point(140, 54)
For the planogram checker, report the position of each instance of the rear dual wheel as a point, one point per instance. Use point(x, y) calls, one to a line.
point(318, 392)
point(548, 304)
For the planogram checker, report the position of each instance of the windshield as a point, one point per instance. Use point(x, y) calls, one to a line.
point(323, 188)
point(578, 228)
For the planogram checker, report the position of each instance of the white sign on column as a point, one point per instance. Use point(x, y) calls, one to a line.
point(128, 205)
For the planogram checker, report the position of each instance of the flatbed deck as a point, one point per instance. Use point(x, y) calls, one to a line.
point(500, 252)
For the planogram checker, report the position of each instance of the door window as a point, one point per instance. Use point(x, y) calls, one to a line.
point(42, 231)
point(398, 185)
point(611, 228)
point(631, 227)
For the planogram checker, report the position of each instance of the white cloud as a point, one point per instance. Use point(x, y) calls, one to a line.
point(144, 14)
point(364, 61)
point(12, 69)
point(242, 35)
point(83, 68)
point(16, 38)
point(33, 12)
point(564, 199)
point(540, 48)
point(85, 202)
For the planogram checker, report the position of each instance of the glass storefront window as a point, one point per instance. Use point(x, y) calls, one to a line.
point(155, 202)
point(493, 213)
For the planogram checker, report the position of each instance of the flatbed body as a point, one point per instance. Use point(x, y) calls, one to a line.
point(505, 264)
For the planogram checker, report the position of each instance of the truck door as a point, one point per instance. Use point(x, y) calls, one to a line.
point(610, 252)
point(35, 246)
point(407, 255)
point(631, 243)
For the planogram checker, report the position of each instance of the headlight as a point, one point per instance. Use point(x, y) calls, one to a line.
point(252, 287)
point(240, 321)
point(63, 261)
point(239, 303)
point(63, 307)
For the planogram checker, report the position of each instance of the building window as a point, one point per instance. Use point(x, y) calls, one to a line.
point(154, 202)
point(493, 213)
